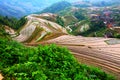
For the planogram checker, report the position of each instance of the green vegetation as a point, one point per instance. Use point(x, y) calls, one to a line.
point(52, 62)
point(82, 5)
point(116, 17)
point(97, 29)
point(73, 16)
point(3, 33)
point(103, 4)
point(57, 7)
point(70, 20)
point(38, 30)
point(67, 11)
point(12, 22)
point(49, 62)
point(76, 28)
point(59, 21)
point(80, 14)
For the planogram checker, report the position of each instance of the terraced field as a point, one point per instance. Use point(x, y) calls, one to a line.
point(101, 52)
point(92, 51)
point(37, 29)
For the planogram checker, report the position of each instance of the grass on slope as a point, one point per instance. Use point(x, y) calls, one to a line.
point(3, 33)
point(12, 22)
point(100, 33)
point(56, 7)
point(50, 36)
point(52, 62)
point(66, 11)
point(69, 19)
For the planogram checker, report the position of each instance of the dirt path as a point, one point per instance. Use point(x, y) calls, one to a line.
point(92, 51)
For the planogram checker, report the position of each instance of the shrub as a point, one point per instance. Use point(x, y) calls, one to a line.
point(49, 62)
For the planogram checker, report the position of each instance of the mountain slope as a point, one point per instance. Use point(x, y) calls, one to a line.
point(57, 7)
point(19, 8)
point(37, 29)
point(93, 51)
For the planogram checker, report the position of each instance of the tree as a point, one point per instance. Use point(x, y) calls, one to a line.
point(12, 22)
point(80, 15)
point(59, 21)
point(3, 33)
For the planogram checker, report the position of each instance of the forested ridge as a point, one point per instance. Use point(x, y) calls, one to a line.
point(12, 22)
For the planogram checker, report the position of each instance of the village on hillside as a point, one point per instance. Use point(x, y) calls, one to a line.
point(110, 16)
point(107, 15)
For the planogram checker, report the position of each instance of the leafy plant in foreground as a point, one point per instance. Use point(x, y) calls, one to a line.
point(49, 62)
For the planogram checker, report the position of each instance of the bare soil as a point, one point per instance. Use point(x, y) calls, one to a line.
point(92, 51)
point(1, 77)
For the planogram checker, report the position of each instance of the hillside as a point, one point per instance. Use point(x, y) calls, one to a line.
point(67, 41)
point(20, 8)
point(37, 28)
point(96, 51)
point(4, 32)
point(91, 21)
point(75, 19)
point(54, 8)
point(12, 22)
point(49, 62)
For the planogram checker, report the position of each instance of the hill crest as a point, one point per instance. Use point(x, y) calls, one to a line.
point(37, 29)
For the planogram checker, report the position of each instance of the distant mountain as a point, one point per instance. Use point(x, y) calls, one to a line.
point(104, 2)
point(82, 4)
point(54, 8)
point(98, 3)
point(19, 8)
